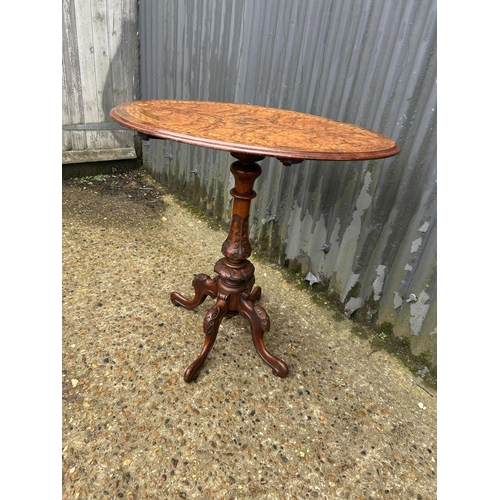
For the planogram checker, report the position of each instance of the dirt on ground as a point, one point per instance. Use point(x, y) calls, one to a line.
point(136, 186)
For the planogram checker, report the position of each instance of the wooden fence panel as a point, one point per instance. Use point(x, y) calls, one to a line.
point(100, 60)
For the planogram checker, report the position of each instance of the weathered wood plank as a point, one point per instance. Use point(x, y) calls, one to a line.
point(102, 60)
point(72, 105)
point(93, 155)
point(83, 14)
point(120, 139)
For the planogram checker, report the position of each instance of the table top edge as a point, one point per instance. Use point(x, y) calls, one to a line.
point(273, 152)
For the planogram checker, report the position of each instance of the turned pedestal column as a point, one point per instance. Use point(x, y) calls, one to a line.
point(233, 286)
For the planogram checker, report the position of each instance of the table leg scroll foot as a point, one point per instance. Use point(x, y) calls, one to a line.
point(203, 286)
point(255, 294)
point(259, 324)
point(211, 325)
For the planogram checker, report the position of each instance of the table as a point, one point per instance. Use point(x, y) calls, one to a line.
point(250, 133)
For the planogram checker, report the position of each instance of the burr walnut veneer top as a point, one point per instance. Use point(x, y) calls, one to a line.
point(254, 130)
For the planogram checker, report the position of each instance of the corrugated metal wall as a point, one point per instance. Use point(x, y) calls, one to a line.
point(367, 230)
point(100, 69)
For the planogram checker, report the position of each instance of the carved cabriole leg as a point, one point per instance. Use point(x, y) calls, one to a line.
point(203, 286)
point(234, 282)
point(210, 327)
point(255, 294)
point(260, 323)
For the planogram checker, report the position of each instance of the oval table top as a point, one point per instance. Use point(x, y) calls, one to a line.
point(254, 130)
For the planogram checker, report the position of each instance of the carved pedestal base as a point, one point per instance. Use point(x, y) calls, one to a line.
point(233, 286)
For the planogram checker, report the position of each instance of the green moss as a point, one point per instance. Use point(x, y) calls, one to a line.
point(200, 213)
point(382, 337)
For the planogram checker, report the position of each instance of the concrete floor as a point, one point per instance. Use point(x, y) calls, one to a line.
point(346, 423)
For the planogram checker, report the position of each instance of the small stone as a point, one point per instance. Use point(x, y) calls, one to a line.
point(422, 406)
point(74, 382)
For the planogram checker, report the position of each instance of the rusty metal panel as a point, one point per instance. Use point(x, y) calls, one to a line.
point(100, 69)
point(365, 230)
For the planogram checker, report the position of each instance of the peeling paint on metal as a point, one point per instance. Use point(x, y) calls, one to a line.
point(398, 300)
point(352, 305)
point(415, 245)
point(418, 312)
point(424, 227)
point(347, 251)
point(378, 284)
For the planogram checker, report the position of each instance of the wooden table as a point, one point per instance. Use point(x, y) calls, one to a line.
point(249, 133)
